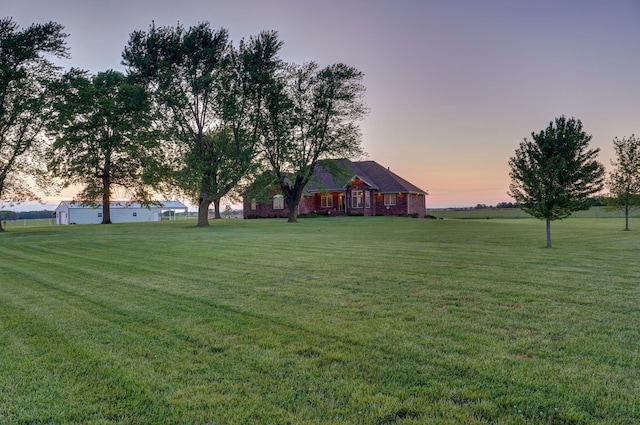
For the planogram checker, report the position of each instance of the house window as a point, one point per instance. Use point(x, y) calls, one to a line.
point(356, 199)
point(389, 198)
point(367, 199)
point(135, 214)
point(253, 204)
point(99, 215)
point(326, 200)
point(278, 202)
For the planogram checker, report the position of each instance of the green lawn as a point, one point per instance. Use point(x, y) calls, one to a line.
point(593, 212)
point(11, 224)
point(347, 320)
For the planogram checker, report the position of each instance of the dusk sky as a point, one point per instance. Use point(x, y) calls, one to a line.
point(453, 85)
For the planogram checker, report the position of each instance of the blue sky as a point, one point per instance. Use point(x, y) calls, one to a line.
point(453, 85)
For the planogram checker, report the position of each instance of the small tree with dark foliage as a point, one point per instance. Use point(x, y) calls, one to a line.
point(555, 173)
point(624, 180)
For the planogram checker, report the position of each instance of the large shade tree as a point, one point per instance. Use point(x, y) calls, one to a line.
point(181, 67)
point(246, 79)
point(26, 102)
point(624, 179)
point(556, 172)
point(312, 115)
point(104, 139)
point(210, 95)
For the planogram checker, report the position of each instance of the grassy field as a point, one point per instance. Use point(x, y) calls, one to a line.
point(593, 212)
point(9, 224)
point(41, 222)
point(345, 320)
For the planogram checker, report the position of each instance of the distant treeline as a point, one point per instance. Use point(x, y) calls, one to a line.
point(22, 215)
point(500, 205)
point(599, 201)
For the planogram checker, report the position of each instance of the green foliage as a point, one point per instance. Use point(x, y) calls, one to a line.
point(25, 103)
point(211, 95)
point(516, 213)
point(225, 105)
point(336, 320)
point(249, 76)
point(262, 188)
point(31, 215)
point(555, 173)
point(103, 139)
point(624, 180)
point(8, 215)
point(313, 117)
point(181, 68)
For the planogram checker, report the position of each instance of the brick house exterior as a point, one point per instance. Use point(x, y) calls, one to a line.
point(340, 187)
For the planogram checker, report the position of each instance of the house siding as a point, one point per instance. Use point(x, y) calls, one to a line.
point(367, 176)
point(311, 204)
point(417, 204)
point(406, 204)
point(315, 204)
point(359, 185)
point(264, 209)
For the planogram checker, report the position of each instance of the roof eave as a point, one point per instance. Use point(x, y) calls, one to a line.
point(372, 186)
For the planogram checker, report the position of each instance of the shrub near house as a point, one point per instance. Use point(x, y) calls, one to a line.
point(342, 187)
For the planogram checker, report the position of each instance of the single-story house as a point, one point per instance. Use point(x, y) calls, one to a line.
point(340, 187)
point(71, 212)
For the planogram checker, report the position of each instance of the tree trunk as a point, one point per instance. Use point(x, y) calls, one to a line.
point(292, 196)
point(1, 190)
point(626, 217)
point(293, 212)
point(203, 212)
point(548, 233)
point(106, 210)
point(216, 208)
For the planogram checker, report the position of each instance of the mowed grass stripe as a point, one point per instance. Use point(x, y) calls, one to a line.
point(113, 348)
point(74, 314)
point(439, 323)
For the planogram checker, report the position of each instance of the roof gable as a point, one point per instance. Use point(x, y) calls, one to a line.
point(386, 180)
point(336, 174)
point(331, 176)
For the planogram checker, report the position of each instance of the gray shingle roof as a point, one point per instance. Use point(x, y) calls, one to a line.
point(386, 180)
point(334, 175)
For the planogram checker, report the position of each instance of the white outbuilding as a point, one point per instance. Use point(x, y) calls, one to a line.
point(70, 212)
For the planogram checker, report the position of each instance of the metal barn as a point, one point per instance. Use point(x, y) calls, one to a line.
point(70, 212)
